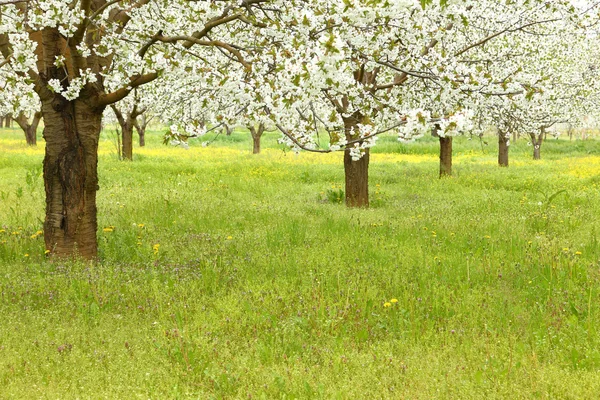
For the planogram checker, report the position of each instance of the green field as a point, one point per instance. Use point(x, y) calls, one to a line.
point(228, 275)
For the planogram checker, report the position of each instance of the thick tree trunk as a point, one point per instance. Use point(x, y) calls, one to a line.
point(142, 135)
point(357, 180)
point(445, 156)
point(356, 172)
point(127, 142)
point(30, 130)
point(30, 136)
point(503, 145)
point(72, 131)
point(256, 145)
point(256, 137)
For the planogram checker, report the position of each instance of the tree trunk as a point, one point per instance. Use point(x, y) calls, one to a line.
point(537, 144)
point(256, 137)
point(536, 152)
point(503, 144)
point(142, 134)
point(126, 124)
point(140, 127)
point(72, 131)
point(30, 130)
point(30, 136)
point(7, 121)
point(127, 142)
point(356, 172)
point(445, 156)
point(357, 180)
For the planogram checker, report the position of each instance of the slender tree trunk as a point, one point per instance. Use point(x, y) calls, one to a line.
point(356, 172)
point(8, 121)
point(503, 145)
point(537, 144)
point(72, 131)
point(445, 156)
point(445, 152)
point(140, 127)
point(127, 124)
point(537, 151)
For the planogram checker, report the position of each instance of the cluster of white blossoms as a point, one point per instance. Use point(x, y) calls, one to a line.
point(342, 70)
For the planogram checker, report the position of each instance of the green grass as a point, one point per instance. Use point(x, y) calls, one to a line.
point(264, 286)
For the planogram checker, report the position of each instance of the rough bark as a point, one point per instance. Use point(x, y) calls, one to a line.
point(30, 130)
point(356, 172)
point(503, 145)
point(256, 137)
point(72, 130)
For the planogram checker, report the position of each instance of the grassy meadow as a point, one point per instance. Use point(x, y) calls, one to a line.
point(227, 275)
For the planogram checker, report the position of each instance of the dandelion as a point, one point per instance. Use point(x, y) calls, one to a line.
point(155, 248)
point(26, 255)
point(487, 237)
point(387, 304)
point(2, 230)
point(577, 253)
point(141, 225)
point(565, 249)
point(229, 237)
point(393, 301)
point(108, 229)
point(47, 252)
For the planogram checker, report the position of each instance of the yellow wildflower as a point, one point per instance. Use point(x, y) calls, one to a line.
point(108, 229)
point(155, 248)
point(386, 304)
point(393, 300)
point(577, 253)
point(229, 237)
point(47, 252)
